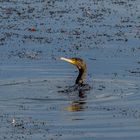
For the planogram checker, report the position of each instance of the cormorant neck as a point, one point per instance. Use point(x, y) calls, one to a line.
point(80, 77)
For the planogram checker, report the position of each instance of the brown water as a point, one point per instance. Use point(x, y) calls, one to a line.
point(34, 35)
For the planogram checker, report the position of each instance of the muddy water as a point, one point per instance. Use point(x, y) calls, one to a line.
point(34, 35)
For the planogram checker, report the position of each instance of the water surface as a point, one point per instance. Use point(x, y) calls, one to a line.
point(34, 35)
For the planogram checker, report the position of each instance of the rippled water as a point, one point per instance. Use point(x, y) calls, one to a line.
point(34, 34)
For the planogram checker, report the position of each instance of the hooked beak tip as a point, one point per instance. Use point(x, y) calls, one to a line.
point(67, 60)
point(62, 58)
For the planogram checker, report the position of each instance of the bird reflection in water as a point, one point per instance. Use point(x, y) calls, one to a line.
point(79, 87)
point(77, 105)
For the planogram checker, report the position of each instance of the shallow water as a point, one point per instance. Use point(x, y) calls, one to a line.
point(34, 35)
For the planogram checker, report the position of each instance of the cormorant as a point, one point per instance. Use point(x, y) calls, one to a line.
point(81, 65)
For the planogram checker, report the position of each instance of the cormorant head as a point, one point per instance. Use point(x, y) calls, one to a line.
point(80, 64)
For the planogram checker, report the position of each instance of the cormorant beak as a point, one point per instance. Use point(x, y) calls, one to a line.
point(68, 60)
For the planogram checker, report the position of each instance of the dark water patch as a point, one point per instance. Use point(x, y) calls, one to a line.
point(33, 55)
point(137, 71)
